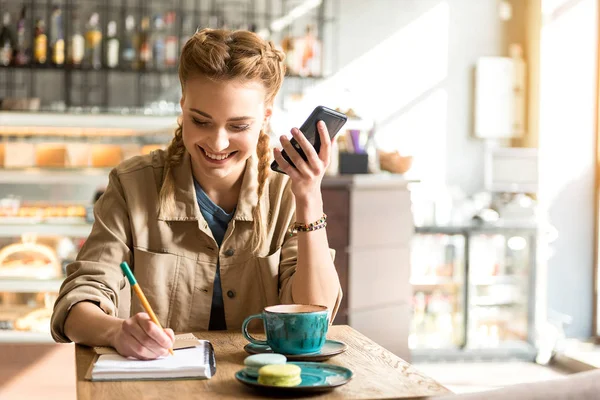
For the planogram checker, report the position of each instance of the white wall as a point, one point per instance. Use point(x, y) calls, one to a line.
point(408, 64)
point(567, 147)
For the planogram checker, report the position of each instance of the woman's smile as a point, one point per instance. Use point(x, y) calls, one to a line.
point(217, 158)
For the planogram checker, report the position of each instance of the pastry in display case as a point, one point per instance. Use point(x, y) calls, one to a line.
point(37, 320)
point(13, 210)
point(26, 311)
point(29, 259)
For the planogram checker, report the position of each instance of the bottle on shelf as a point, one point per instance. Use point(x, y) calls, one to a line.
point(112, 45)
point(57, 39)
point(93, 42)
point(449, 256)
point(128, 54)
point(310, 62)
point(158, 43)
point(40, 45)
point(145, 50)
point(287, 45)
point(23, 52)
point(6, 40)
point(171, 40)
point(76, 50)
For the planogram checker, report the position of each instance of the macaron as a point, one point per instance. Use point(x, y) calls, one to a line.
point(285, 375)
point(254, 362)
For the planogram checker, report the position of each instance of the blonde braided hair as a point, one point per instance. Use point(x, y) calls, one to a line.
point(223, 55)
point(264, 157)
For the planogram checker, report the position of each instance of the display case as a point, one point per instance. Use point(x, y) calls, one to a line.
point(437, 278)
point(52, 169)
point(30, 274)
point(474, 292)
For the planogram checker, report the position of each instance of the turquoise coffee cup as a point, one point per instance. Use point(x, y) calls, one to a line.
point(292, 328)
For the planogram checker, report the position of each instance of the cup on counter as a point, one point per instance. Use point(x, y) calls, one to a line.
point(292, 328)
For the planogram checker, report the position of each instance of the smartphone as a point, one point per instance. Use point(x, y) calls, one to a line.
point(333, 120)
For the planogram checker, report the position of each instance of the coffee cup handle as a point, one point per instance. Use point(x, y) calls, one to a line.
point(247, 335)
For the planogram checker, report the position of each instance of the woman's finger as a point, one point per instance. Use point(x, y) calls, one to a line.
point(154, 332)
point(311, 154)
point(325, 151)
point(133, 328)
point(133, 348)
point(284, 165)
point(293, 154)
point(171, 334)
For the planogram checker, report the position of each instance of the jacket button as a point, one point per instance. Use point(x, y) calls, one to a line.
point(230, 294)
point(229, 252)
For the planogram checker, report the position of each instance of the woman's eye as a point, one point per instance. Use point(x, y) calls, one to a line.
point(240, 128)
point(199, 123)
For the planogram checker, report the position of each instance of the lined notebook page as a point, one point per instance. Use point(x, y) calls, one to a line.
point(185, 363)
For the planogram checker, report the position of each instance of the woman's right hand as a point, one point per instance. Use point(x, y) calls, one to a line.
point(141, 338)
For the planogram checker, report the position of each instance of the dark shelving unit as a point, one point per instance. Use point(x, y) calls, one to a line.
point(66, 87)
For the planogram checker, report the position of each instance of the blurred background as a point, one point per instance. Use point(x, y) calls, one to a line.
point(462, 193)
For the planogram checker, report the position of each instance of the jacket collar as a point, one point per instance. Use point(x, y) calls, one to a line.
point(186, 206)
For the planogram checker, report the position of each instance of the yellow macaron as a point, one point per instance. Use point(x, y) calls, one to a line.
point(285, 375)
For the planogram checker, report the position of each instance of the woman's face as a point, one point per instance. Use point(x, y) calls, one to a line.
point(221, 125)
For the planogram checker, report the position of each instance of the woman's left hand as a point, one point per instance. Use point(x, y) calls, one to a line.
point(307, 176)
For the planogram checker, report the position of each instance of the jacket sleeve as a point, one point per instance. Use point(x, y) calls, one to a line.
point(289, 254)
point(96, 275)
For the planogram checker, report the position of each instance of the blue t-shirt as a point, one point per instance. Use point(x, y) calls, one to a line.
point(217, 220)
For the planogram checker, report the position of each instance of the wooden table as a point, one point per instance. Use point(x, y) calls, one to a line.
point(378, 374)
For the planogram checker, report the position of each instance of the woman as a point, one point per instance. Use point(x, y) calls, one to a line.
point(203, 224)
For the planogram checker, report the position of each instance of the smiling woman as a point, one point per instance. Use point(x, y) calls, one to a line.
point(239, 255)
point(222, 136)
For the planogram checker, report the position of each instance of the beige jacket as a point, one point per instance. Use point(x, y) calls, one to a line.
point(174, 255)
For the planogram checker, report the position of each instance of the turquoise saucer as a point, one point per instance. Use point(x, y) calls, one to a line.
point(316, 377)
point(330, 348)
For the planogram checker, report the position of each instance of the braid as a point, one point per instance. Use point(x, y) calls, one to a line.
point(264, 156)
point(175, 153)
point(274, 53)
point(224, 55)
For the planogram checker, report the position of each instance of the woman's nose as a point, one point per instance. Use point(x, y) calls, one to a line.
point(220, 140)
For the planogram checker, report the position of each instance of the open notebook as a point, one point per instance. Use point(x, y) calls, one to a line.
point(196, 362)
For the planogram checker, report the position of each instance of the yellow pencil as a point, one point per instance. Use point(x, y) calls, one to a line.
point(138, 290)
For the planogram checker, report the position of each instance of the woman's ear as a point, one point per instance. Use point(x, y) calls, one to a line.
point(181, 101)
point(268, 113)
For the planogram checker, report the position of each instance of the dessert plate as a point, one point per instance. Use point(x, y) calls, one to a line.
point(316, 377)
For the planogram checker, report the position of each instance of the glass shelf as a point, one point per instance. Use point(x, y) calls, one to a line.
point(30, 285)
point(79, 124)
point(51, 176)
point(12, 229)
point(12, 336)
